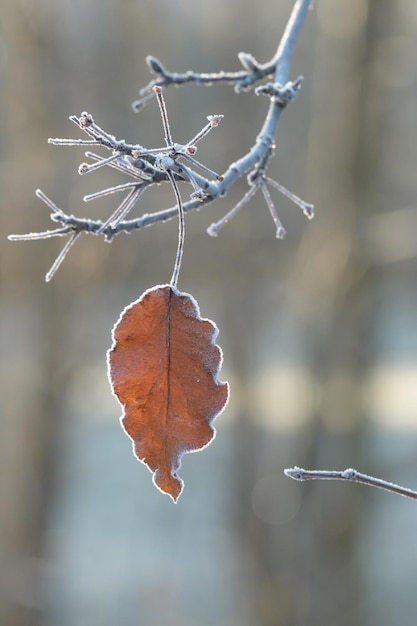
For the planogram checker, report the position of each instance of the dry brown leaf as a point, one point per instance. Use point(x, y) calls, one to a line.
point(163, 368)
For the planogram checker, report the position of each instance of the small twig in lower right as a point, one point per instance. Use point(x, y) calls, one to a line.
point(297, 473)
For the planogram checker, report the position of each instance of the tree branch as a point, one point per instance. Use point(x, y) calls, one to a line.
point(351, 475)
point(155, 165)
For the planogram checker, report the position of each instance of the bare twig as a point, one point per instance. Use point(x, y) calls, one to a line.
point(61, 256)
point(241, 80)
point(308, 209)
point(123, 209)
point(214, 228)
point(351, 475)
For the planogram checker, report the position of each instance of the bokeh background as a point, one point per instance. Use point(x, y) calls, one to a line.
point(319, 331)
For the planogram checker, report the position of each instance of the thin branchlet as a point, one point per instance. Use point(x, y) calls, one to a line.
point(176, 162)
point(61, 256)
point(241, 80)
point(123, 209)
point(214, 228)
point(351, 475)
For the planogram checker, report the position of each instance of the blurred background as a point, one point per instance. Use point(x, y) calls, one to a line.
point(319, 331)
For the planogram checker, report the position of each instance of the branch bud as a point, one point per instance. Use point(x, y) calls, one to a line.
point(215, 120)
point(155, 65)
point(86, 119)
point(248, 61)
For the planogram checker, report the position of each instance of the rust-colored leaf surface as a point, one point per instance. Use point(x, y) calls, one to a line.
point(163, 368)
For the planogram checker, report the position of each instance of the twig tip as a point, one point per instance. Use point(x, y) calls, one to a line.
point(294, 472)
point(213, 230)
point(281, 232)
point(308, 210)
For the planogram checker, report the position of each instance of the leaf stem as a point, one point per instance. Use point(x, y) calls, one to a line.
point(181, 230)
point(297, 473)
